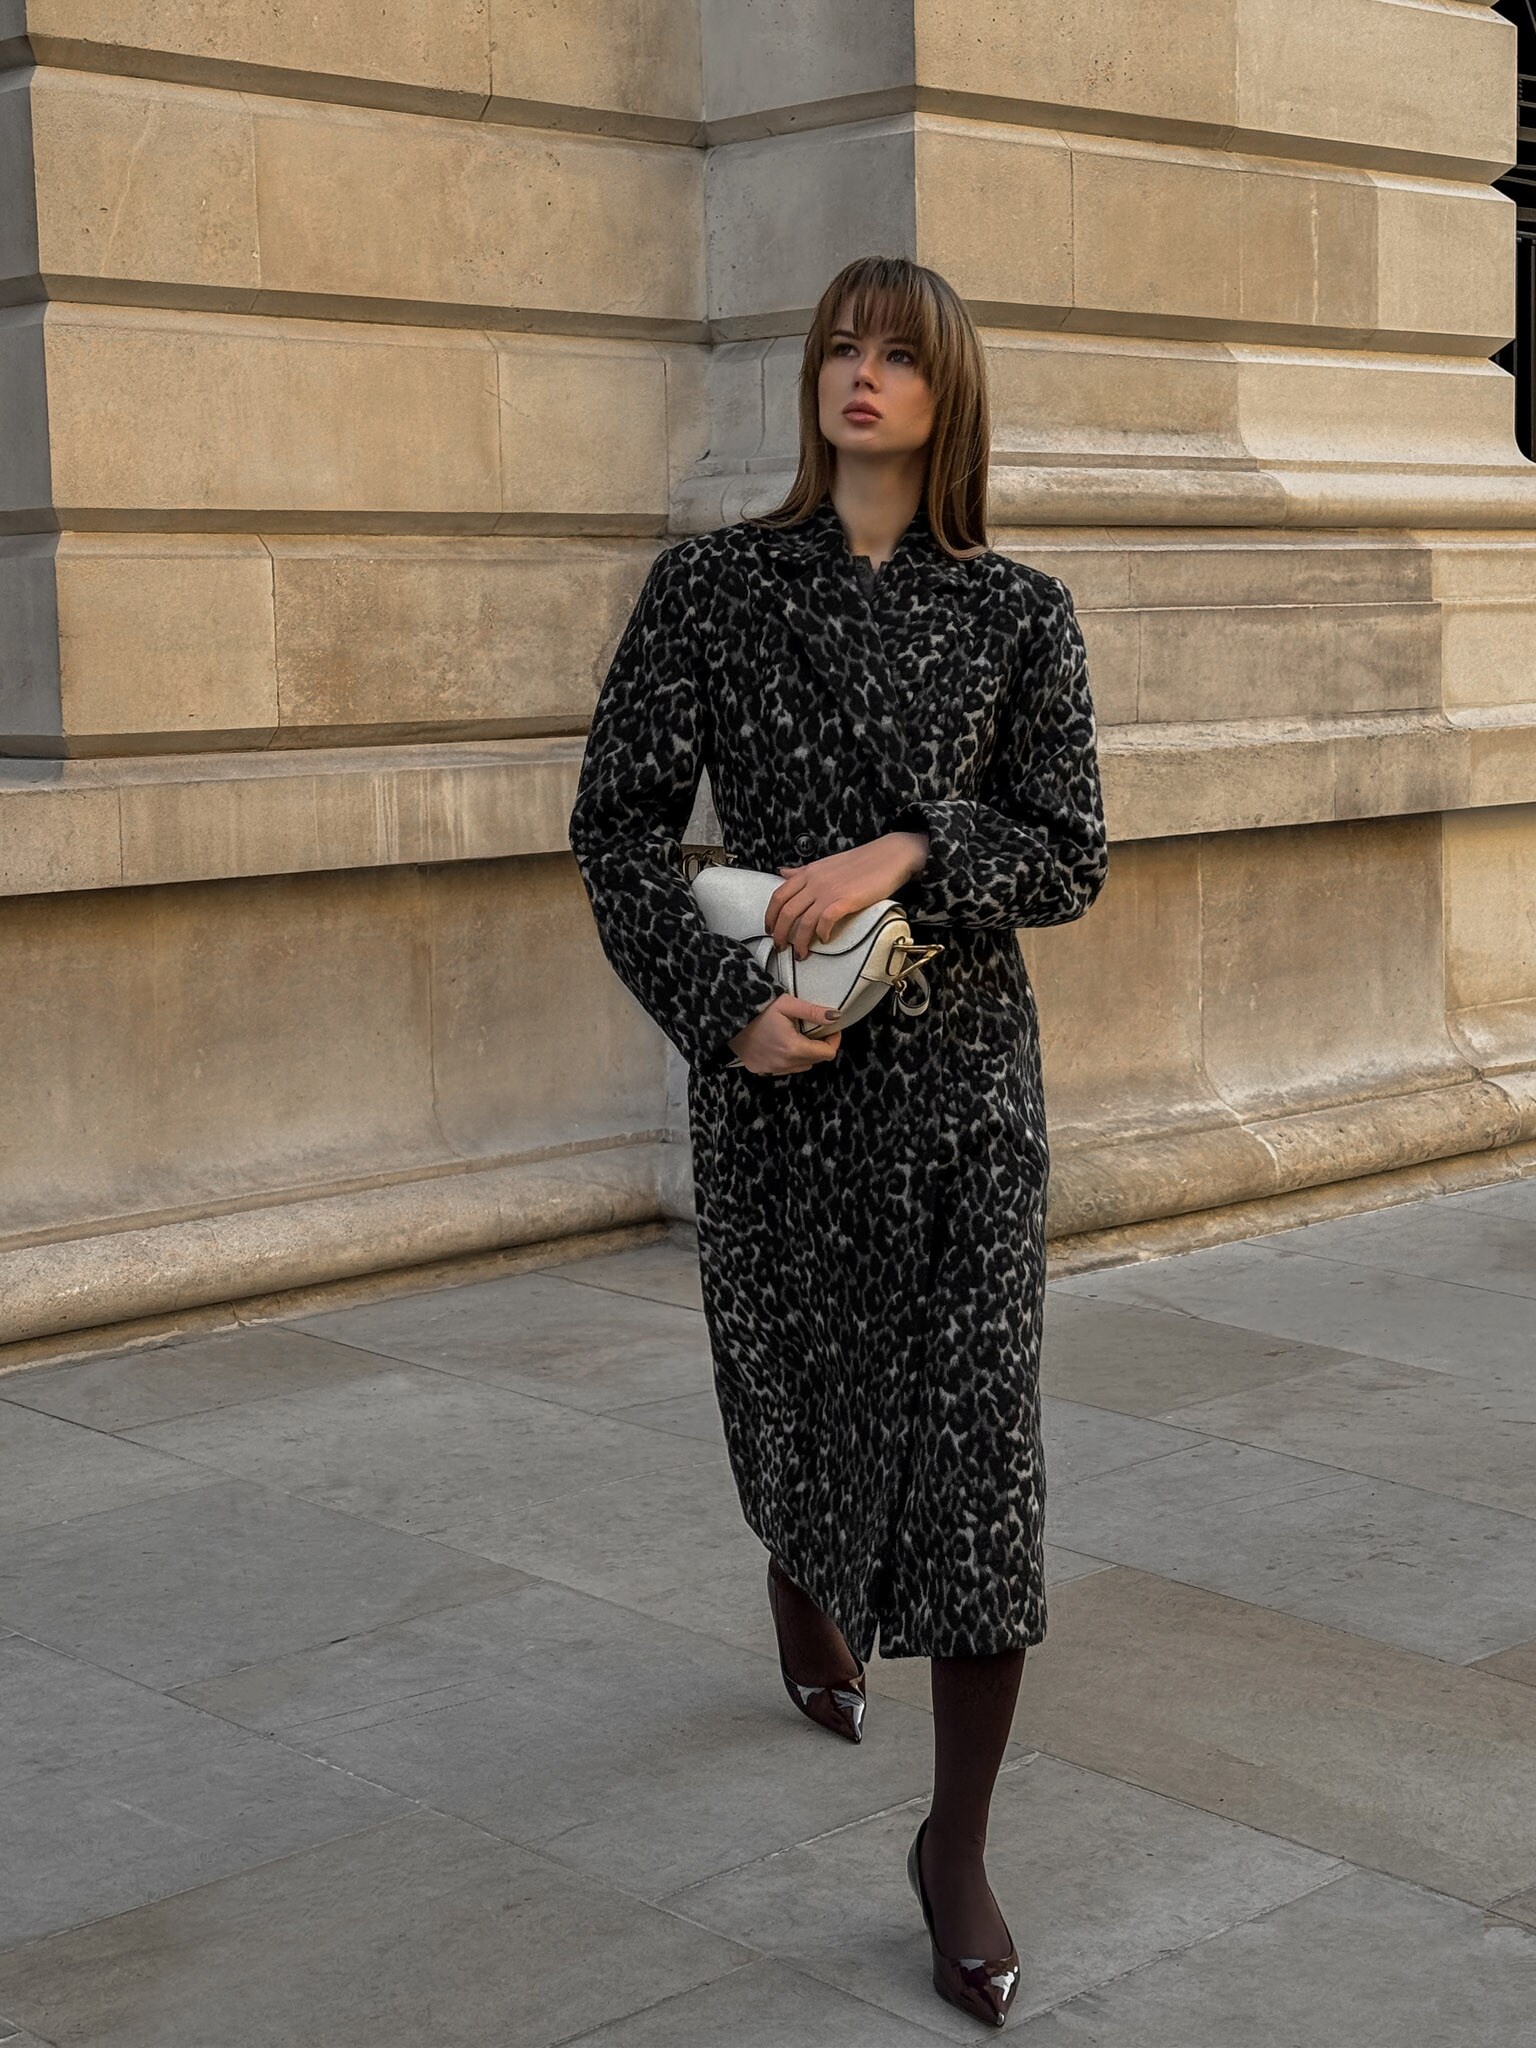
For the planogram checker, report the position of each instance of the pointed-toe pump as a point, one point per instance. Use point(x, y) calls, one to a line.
point(839, 1707)
point(979, 1985)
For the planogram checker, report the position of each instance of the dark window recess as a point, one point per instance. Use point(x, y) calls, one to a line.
point(1520, 185)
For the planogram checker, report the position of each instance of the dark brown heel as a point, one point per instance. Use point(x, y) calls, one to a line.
point(839, 1707)
point(976, 1984)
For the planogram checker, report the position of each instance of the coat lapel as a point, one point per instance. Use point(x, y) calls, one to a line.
point(895, 677)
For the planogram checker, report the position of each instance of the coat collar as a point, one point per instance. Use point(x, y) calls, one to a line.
point(819, 541)
point(896, 684)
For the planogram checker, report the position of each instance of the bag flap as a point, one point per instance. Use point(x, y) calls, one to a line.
point(733, 900)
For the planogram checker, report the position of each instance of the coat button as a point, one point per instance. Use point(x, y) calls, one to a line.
point(805, 843)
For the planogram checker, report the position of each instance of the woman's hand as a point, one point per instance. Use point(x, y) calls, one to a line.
point(803, 908)
point(773, 1042)
point(816, 895)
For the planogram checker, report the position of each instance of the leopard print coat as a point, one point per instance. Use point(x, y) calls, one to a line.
point(871, 1231)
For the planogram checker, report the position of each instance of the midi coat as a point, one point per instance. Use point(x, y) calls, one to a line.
point(871, 1231)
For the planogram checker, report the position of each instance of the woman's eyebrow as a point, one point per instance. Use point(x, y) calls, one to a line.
point(904, 340)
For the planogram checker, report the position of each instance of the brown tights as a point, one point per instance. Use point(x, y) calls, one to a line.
point(973, 1702)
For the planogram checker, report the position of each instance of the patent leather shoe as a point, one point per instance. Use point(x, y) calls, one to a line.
point(838, 1706)
point(979, 1985)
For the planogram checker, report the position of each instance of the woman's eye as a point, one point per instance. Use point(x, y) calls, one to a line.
point(842, 347)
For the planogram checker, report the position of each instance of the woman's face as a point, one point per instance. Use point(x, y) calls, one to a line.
point(877, 372)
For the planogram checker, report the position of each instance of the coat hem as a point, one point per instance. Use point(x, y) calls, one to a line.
point(988, 1647)
point(901, 1644)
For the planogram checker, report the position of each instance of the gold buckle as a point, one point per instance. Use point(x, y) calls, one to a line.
point(918, 953)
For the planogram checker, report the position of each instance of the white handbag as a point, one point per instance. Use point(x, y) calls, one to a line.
point(871, 954)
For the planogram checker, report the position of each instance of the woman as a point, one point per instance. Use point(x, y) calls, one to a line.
point(886, 707)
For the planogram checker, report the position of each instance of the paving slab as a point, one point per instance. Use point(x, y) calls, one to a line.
point(625, 1748)
point(1429, 1573)
point(429, 1453)
point(1082, 1442)
point(764, 2005)
point(55, 1470)
point(1472, 1439)
point(112, 1795)
point(1518, 1663)
point(585, 1345)
point(1398, 1762)
point(692, 1415)
point(1093, 1876)
point(125, 1389)
point(1154, 1361)
point(666, 1269)
point(665, 1537)
point(419, 1932)
point(1412, 1320)
point(201, 1582)
point(1363, 1963)
point(1061, 1565)
point(1474, 1248)
point(1505, 1198)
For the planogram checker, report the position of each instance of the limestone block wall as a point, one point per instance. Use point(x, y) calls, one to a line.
point(353, 364)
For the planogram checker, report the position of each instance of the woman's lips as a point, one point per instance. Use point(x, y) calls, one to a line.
point(860, 412)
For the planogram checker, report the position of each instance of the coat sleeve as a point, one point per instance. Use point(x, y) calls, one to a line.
point(1030, 849)
point(639, 775)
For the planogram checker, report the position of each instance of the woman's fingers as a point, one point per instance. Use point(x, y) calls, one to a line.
point(797, 1050)
point(781, 923)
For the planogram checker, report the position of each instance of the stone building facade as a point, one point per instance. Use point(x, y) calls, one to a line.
point(354, 359)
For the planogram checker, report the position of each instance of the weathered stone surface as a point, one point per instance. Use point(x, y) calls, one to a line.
point(638, 58)
point(125, 683)
point(1324, 78)
point(424, 53)
point(455, 218)
point(1205, 1684)
point(337, 1058)
point(459, 1929)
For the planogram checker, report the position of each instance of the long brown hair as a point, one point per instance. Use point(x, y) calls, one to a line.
point(897, 296)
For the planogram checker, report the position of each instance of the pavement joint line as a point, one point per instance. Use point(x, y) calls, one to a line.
point(183, 1891)
point(1277, 1835)
point(1406, 1273)
point(611, 1287)
point(1248, 1504)
point(390, 1362)
point(218, 1477)
point(1341, 1875)
point(181, 1414)
point(861, 1820)
point(1350, 1471)
point(691, 1990)
point(1074, 1284)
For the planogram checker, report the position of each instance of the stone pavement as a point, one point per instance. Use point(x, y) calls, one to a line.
point(402, 1677)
